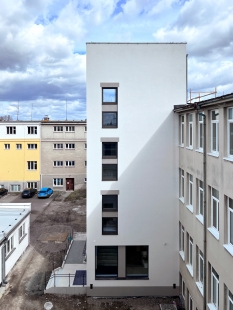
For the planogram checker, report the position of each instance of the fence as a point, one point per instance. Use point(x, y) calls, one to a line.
point(68, 279)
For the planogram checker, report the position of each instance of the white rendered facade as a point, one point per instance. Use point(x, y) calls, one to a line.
point(149, 79)
point(14, 234)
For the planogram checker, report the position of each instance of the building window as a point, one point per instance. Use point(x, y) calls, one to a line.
point(32, 185)
point(7, 146)
point(214, 288)
point(70, 146)
point(85, 180)
point(9, 245)
point(229, 300)
point(200, 264)
point(109, 95)
point(32, 130)
point(182, 130)
point(70, 163)
point(32, 165)
point(137, 261)
point(109, 150)
point(106, 265)
point(183, 288)
point(190, 131)
point(109, 120)
point(182, 184)
point(15, 188)
point(85, 163)
point(85, 128)
point(32, 146)
point(215, 209)
point(18, 146)
point(230, 132)
point(190, 303)
point(21, 231)
point(11, 130)
point(58, 146)
point(200, 198)
point(58, 128)
point(58, 163)
point(109, 172)
point(110, 202)
point(190, 251)
point(214, 131)
point(58, 182)
point(230, 221)
point(190, 189)
point(181, 228)
point(109, 226)
point(200, 132)
point(70, 128)
point(85, 146)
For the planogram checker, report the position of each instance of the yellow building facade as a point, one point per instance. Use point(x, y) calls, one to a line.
point(20, 155)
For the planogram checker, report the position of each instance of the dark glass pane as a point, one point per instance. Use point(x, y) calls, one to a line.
point(110, 95)
point(109, 172)
point(110, 202)
point(106, 261)
point(214, 137)
point(215, 224)
point(110, 149)
point(231, 138)
point(231, 226)
point(109, 119)
point(109, 225)
point(137, 261)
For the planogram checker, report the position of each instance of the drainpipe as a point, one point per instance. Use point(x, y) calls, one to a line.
point(3, 267)
point(205, 211)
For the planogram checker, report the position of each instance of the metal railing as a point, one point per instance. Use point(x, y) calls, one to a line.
point(70, 277)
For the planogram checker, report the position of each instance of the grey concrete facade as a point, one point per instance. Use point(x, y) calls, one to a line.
point(219, 177)
point(63, 154)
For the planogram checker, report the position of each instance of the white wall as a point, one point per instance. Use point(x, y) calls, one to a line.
point(152, 78)
point(21, 130)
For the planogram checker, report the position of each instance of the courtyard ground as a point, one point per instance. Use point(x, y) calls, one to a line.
point(58, 219)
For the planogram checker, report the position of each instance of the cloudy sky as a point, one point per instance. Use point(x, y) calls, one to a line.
point(43, 46)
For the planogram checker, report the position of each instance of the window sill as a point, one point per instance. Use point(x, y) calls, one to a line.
point(57, 166)
point(199, 150)
point(211, 307)
point(200, 287)
point(181, 199)
point(228, 159)
point(229, 248)
point(21, 239)
point(57, 185)
point(181, 254)
point(181, 145)
point(214, 232)
point(200, 218)
point(190, 208)
point(189, 148)
point(190, 269)
point(61, 149)
point(214, 154)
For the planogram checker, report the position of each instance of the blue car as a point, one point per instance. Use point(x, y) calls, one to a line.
point(45, 192)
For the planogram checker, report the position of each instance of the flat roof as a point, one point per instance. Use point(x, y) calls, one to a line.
point(11, 214)
point(136, 42)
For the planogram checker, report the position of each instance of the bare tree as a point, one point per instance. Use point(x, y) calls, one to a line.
point(6, 118)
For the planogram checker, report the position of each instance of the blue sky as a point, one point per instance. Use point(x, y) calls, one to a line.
point(42, 46)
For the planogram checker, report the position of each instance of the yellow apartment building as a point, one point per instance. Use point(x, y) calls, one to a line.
point(20, 155)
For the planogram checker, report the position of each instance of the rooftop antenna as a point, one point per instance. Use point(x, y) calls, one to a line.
point(66, 110)
point(18, 111)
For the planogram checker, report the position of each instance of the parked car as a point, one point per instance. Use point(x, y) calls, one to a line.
point(28, 192)
point(45, 192)
point(3, 191)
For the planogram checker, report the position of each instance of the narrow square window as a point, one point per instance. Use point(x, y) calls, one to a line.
point(181, 183)
point(85, 146)
point(32, 130)
point(70, 163)
point(58, 128)
point(181, 228)
point(21, 231)
point(214, 288)
point(32, 146)
point(190, 190)
point(109, 150)
point(214, 131)
point(190, 256)
point(230, 221)
point(70, 128)
point(70, 146)
point(230, 132)
point(230, 301)
point(182, 130)
point(9, 245)
point(58, 163)
point(109, 226)
point(190, 302)
point(215, 209)
point(32, 165)
point(137, 261)
point(200, 198)
point(109, 95)
point(190, 130)
point(32, 185)
point(109, 172)
point(106, 264)
point(85, 163)
point(200, 267)
point(11, 130)
point(110, 202)
point(183, 288)
point(57, 146)
point(18, 146)
point(7, 146)
point(200, 132)
point(109, 120)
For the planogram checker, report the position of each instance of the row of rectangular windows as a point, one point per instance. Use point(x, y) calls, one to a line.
point(213, 279)
point(68, 163)
point(33, 146)
point(214, 131)
point(213, 205)
point(11, 242)
point(32, 130)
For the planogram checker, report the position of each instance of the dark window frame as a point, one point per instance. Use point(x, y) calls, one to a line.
point(109, 179)
point(114, 156)
point(104, 126)
point(110, 232)
point(105, 277)
point(137, 277)
point(111, 102)
point(110, 209)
